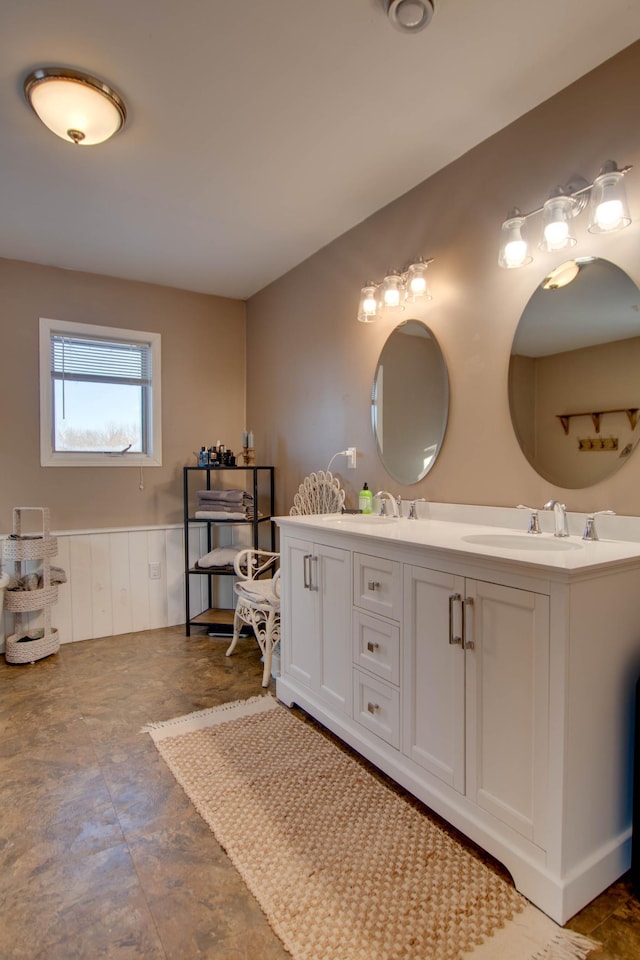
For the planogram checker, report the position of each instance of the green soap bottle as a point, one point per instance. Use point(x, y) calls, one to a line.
point(365, 500)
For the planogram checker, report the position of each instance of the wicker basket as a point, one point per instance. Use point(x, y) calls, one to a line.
point(33, 549)
point(20, 549)
point(28, 651)
point(25, 601)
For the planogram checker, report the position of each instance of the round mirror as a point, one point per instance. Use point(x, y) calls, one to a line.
point(574, 389)
point(410, 402)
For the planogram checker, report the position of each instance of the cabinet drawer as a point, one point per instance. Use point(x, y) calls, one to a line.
point(377, 585)
point(376, 706)
point(376, 646)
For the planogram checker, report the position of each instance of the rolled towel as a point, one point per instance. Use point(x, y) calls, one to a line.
point(220, 557)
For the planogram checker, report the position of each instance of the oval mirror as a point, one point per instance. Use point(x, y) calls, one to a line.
point(410, 402)
point(574, 390)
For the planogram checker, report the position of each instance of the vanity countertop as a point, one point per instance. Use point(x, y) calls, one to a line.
point(496, 542)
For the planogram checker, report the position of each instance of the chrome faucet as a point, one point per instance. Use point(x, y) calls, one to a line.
point(392, 500)
point(559, 517)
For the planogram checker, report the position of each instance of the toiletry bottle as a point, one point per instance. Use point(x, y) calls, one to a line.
point(365, 500)
point(203, 459)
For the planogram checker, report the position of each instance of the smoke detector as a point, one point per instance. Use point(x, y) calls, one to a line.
point(409, 16)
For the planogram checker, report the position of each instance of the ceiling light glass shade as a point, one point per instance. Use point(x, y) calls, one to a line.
point(561, 276)
point(609, 210)
point(410, 16)
point(416, 286)
point(513, 248)
point(392, 292)
point(368, 306)
point(75, 106)
point(557, 214)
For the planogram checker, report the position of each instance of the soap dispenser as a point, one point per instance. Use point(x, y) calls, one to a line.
point(365, 500)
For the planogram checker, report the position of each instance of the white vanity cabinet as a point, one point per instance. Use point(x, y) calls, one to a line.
point(475, 692)
point(316, 606)
point(495, 684)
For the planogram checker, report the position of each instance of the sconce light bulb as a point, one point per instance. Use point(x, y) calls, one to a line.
point(557, 212)
point(608, 215)
point(609, 210)
point(513, 248)
point(416, 286)
point(556, 234)
point(368, 306)
point(515, 253)
point(393, 292)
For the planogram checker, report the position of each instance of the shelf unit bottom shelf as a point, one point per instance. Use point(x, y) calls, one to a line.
point(219, 622)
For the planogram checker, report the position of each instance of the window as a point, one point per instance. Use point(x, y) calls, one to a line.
point(99, 396)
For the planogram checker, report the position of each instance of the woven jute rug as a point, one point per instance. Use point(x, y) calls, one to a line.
point(343, 866)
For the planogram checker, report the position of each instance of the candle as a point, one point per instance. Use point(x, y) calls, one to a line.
point(244, 439)
point(250, 439)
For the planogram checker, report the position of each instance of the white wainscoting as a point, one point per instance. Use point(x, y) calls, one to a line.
point(108, 589)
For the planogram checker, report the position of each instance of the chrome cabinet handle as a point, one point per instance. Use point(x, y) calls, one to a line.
point(372, 647)
point(306, 570)
point(467, 643)
point(373, 707)
point(454, 598)
point(373, 585)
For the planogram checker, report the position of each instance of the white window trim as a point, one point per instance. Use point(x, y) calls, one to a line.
point(48, 456)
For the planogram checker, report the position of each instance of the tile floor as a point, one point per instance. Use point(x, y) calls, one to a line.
point(101, 855)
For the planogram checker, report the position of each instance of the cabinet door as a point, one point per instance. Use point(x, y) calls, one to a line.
point(433, 675)
point(331, 573)
point(299, 645)
point(507, 705)
point(317, 620)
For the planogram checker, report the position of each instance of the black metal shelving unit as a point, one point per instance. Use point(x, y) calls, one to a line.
point(262, 488)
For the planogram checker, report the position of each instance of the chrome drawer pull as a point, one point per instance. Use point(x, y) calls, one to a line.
point(372, 647)
point(373, 585)
point(373, 707)
point(467, 643)
point(306, 570)
point(453, 598)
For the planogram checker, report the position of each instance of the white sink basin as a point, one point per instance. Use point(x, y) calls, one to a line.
point(520, 541)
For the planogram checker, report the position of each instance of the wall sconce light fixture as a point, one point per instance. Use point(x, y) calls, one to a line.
point(75, 106)
point(391, 294)
point(608, 212)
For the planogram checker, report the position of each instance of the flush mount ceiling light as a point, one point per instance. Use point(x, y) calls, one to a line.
point(409, 16)
point(391, 294)
point(562, 276)
point(75, 106)
point(608, 212)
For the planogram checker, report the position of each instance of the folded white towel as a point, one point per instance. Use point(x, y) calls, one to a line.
point(230, 496)
point(219, 515)
point(258, 590)
point(220, 557)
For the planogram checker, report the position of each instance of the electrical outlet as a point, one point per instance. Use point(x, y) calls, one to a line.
point(351, 458)
point(155, 572)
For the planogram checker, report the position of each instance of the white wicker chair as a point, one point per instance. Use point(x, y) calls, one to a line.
point(318, 493)
point(257, 596)
point(258, 603)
